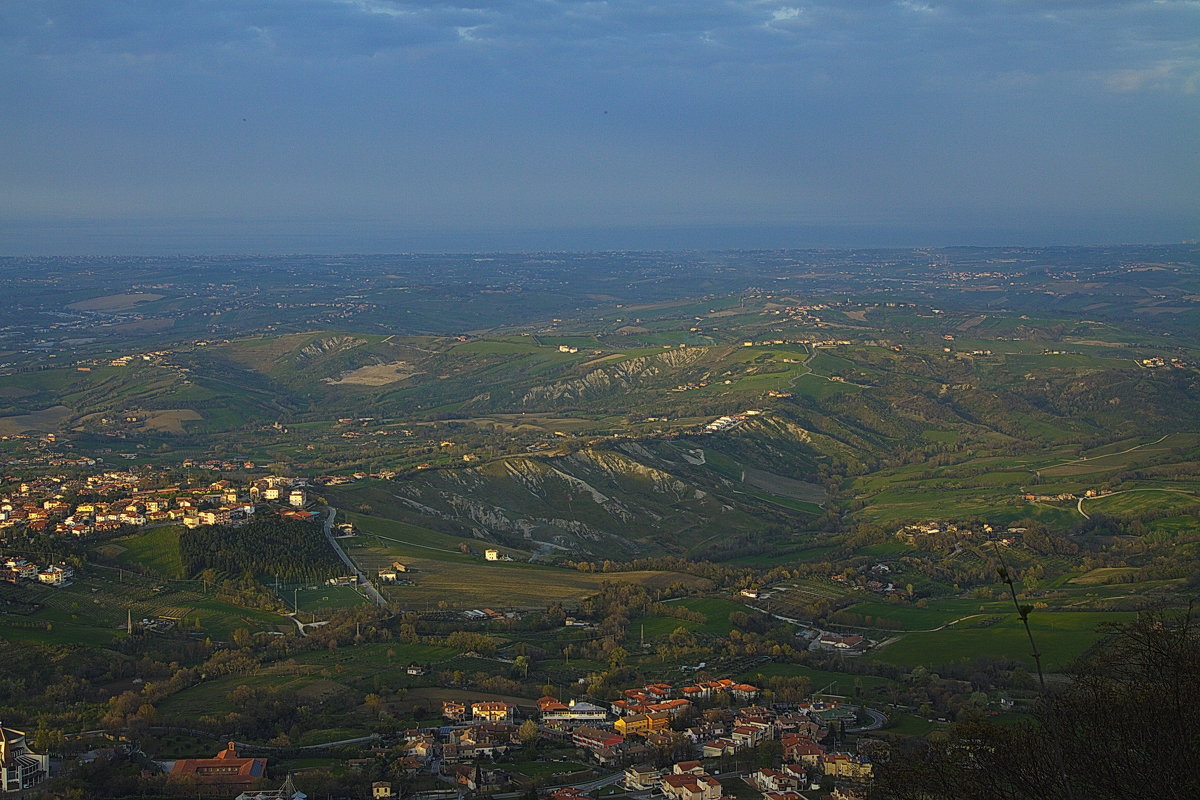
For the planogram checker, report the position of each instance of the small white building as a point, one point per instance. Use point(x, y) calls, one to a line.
point(297, 498)
point(491, 554)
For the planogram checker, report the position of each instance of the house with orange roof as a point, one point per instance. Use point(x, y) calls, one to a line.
point(642, 723)
point(691, 787)
point(744, 692)
point(492, 711)
point(227, 769)
point(548, 703)
point(804, 751)
point(675, 707)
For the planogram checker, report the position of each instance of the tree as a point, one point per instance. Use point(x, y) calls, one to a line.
point(1127, 726)
point(617, 656)
point(528, 732)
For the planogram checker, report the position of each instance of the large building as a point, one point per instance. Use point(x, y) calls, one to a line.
point(226, 769)
point(20, 767)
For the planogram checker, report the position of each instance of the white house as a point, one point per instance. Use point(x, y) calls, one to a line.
point(56, 575)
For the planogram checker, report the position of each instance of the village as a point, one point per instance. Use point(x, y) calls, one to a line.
point(704, 741)
point(38, 505)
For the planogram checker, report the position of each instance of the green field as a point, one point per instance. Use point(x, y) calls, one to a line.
point(156, 549)
point(913, 618)
point(443, 577)
point(1061, 637)
point(834, 683)
point(402, 533)
point(320, 601)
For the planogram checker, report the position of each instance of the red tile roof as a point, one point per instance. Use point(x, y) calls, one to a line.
point(226, 769)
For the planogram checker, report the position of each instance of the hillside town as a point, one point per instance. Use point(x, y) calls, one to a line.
point(119, 502)
point(703, 741)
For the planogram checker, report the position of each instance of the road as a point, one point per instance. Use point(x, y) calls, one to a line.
point(878, 720)
point(1038, 472)
point(363, 583)
point(599, 783)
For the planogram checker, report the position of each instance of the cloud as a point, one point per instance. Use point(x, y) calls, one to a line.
point(1180, 76)
point(502, 110)
point(1035, 36)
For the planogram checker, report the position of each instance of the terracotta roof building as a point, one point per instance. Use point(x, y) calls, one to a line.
point(227, 768)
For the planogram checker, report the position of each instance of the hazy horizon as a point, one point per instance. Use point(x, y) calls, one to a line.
point(101, 240)
point(381, 125)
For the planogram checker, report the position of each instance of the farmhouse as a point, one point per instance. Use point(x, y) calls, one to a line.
point(851, 643)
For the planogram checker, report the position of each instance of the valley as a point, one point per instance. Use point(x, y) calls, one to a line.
point(800, 470)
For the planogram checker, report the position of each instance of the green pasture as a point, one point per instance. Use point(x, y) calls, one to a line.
point(818, 387)
point(1061, 637)
point(212, 697)
point(787, 502)
point(458, 581)
point(844, 682)
point(908, 724)
point(156, 549)
point(1135, 501)
point(522, 346)
point(722, 464)
point(320, 600)
point(220, 619)
point(319, 736)
point(717, 611)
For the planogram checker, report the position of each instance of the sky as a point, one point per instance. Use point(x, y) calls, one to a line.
point(152, 126)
